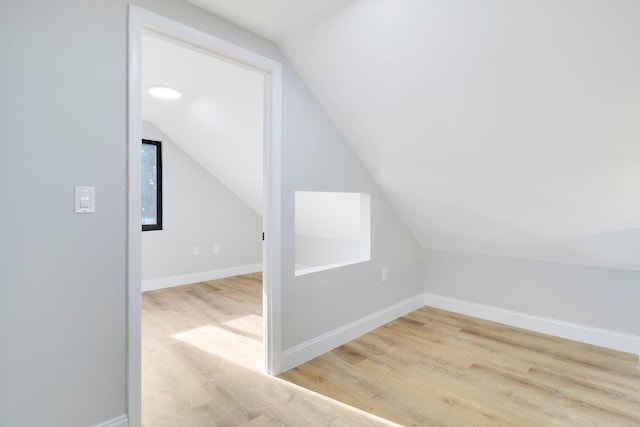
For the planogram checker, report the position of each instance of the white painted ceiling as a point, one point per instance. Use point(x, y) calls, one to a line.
point(273, 19)
point(496, 127)
point(219, 118)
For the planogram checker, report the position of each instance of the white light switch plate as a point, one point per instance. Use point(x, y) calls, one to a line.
point(85, 199)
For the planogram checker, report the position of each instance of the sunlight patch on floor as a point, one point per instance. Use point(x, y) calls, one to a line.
point(238, 345)
point(245, 351)
point(250, 324)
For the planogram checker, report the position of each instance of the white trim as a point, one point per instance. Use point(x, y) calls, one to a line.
point(121, 421)
point(203, 276)
point(272, 215)
point(310, 270)
point(316, 346)
point(573, 331)
point(139, 19)
point(134, 220)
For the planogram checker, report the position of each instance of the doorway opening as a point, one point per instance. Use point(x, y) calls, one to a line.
point(188, 144)
point(211, 137)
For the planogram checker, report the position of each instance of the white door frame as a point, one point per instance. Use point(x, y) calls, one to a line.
point(139, 19)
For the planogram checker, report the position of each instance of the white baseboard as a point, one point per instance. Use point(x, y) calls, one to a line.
point(167, 282)
point(315, 347)
point(121, 421)
point(587, 334)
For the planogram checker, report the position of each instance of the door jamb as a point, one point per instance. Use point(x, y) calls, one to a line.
point(139, 19)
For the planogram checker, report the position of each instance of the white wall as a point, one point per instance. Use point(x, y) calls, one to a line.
point(198, 212)
point(63, 294)
point(312, 251)
point(329, 214)
point(331, 228)
point(62, 275)
point(591, 296)
point(316, 158)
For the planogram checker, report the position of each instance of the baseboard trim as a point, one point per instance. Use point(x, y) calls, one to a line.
point(168, 282)
point(573, 331)
point(315, 347)
point(121, 421)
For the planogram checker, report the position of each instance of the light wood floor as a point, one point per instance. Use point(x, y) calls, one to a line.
point(202, 362)
point(202, 358)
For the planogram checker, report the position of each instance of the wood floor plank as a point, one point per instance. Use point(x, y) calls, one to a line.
point(203, 350)
point(508, 376)
point(202, 359)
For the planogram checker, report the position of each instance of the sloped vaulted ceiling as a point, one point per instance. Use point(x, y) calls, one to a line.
point(218, 120)
point(494, 127)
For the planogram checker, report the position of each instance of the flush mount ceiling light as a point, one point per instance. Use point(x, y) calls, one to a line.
point(163, 92)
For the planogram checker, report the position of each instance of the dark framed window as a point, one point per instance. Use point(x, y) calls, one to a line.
point(151, 185)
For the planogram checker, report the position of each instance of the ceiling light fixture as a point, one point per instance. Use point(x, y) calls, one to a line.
point(163, 92)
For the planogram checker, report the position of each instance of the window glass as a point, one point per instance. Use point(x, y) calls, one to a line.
point(151, 185)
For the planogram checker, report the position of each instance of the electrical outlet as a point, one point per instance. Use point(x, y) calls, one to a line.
point(216, 249)
point(196, 250)
point(385, 274)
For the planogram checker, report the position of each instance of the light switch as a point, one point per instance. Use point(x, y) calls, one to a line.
point(85, 199)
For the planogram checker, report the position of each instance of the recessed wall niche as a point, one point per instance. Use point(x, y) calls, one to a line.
point(332, 229)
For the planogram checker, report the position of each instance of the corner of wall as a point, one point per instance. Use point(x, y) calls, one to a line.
point(326, 342)
point(588, 304)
